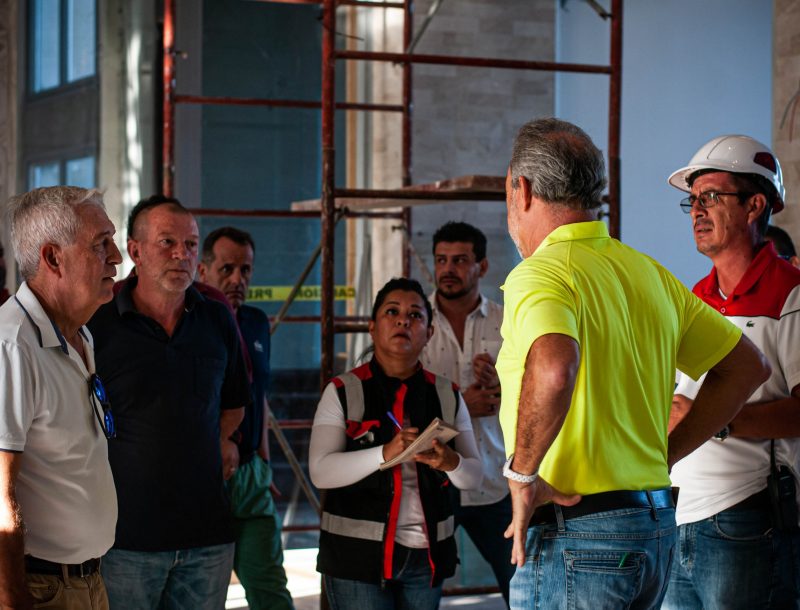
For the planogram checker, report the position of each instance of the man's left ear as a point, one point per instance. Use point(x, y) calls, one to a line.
point(201, 272)
point(484, 266)
point(430, 332)
point(758, 206)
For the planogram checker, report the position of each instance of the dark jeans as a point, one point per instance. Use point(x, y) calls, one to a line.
point(485, 526)
point(734, 559)
point(409, 589)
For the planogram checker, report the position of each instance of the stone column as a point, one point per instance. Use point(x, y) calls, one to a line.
point(786, 85)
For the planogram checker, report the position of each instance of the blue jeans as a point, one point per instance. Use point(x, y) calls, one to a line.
point(485, 525)
point(189, 579)
point(615, 559)
point(732, 560)
point(409, 589)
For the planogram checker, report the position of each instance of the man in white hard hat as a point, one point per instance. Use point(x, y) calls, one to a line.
point(737, 508)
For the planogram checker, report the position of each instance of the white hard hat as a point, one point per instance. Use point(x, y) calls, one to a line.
point(738, 155)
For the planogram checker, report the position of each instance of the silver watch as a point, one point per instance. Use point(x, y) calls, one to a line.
point(516, 476)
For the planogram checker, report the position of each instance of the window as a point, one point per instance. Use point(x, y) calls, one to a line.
point(63, 42)
point(72, 172)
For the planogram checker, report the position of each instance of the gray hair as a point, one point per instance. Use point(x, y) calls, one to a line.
point(46, 216)
point(561, 163)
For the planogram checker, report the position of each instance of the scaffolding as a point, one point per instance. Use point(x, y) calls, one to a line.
point(365, 202)
point(330, 324)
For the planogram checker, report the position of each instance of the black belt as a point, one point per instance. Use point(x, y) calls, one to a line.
point(758, 500)
point(34, 565)
point(603, 502)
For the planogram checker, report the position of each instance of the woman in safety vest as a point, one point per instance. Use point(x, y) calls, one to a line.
point(386, 538)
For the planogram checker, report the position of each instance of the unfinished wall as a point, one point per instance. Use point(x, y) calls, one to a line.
point(465, 119)
point(8, 119)
point(786, 85)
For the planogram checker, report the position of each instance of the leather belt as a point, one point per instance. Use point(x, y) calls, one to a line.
point(34, 565)
point(603, 502)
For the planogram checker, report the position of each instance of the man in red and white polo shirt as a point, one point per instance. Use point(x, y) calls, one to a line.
point(737, 508)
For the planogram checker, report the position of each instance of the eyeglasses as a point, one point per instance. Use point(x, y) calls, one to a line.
point(97, 395)
point(708, 199)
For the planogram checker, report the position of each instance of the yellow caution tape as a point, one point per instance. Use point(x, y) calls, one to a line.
point(262, 294)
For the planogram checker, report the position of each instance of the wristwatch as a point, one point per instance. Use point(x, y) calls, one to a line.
point(516, 476)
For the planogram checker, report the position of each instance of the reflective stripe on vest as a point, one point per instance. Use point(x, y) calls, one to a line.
point(358, 528)
point(445, 529)
point(354, 394)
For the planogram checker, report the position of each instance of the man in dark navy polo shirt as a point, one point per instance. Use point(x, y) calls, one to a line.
point(174, 368)
point(227, 264)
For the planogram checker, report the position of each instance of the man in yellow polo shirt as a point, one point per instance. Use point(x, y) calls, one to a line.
point(592, 334)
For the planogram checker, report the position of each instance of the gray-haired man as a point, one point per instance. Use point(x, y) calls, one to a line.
point(592, 332)
point(58, 506)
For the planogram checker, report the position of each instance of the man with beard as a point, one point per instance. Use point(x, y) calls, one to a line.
point(737, 536)
point(175, 372)
point(464, 348)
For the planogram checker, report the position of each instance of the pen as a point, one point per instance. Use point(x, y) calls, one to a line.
point(394, 420)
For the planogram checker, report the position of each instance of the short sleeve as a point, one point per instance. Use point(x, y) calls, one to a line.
point(17, 394)
point(788, 339)
point(539, 301)
point(706, 337)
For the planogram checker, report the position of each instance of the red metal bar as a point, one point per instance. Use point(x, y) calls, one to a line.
point(328, 185)
point(475, 62)
point(408, 29)
point(614, 120)
point(410, 193)
point(351, 327)
point(362, 3)
point(295, 424)
point(316, 319)
point(168, 106)
point(254, 101)
point(255, 213)
point(342, 3)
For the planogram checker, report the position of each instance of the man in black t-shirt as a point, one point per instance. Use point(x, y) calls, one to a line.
point(174, 370)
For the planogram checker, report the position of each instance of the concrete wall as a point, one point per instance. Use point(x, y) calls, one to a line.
point(691, 71)
point(785, 86)
point(465, 119)
point(9, 17)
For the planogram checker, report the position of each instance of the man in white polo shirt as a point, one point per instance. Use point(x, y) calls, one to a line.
point(463, 349)
point(58, 505)
point(737, 537)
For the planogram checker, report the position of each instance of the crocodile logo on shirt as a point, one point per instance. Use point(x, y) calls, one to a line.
point(750, 324)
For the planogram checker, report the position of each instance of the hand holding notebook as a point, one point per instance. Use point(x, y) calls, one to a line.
point(437, 429)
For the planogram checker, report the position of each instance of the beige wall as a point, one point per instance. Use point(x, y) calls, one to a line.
point(785, 85)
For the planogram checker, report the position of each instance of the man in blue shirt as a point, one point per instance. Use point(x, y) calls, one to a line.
point(227, 265)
